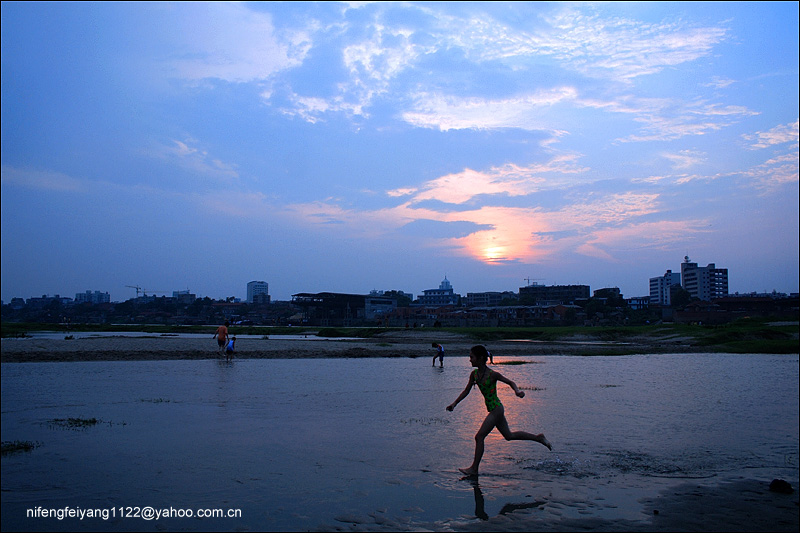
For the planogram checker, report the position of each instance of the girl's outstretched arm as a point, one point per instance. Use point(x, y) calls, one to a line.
point(462, 395)
point(510, 383)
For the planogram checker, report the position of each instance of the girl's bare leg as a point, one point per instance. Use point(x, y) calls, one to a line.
point(502, 427)
point(489, 423)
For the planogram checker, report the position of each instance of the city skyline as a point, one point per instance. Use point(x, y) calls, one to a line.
point(676, 279)
point(335, 147)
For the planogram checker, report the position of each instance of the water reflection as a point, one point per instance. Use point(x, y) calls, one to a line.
point(480, 510)
point(480, 506)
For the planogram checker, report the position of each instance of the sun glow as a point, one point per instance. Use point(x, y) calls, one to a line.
point(494, 253)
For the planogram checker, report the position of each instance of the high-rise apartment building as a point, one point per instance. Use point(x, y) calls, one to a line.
point(660, 288)
point(95, 297)
point(258, 292)
point(704, 283)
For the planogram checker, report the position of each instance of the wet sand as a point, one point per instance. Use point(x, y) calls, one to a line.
point(741, 505)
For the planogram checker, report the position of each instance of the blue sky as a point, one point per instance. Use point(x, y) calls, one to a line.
point(356, 146)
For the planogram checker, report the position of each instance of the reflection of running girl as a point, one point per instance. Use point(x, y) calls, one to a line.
point(439, 354)
point(486, 379)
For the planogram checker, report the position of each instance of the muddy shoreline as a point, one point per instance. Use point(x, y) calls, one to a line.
point(145, 347)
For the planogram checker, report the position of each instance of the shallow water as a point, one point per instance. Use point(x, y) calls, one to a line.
point(325, 443)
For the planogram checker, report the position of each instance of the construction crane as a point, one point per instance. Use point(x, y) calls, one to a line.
point(532, 279)
point(145, 291)
point(138, 288)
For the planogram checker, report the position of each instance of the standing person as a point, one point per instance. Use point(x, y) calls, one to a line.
point(222, 337)
point(439, 354)
point(486, 379)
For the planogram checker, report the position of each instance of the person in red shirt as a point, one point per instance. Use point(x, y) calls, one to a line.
point(222, 337)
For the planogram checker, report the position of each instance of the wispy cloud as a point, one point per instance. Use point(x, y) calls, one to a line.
point(778, 135)
point(776, 172)
point(195, 160)
point(606, 243)
point(41, 179)
point(500, 233)
point(231, 42)
point(684, 159)
point(719, 82)
point(453, 112)
point(623, 49)
point(584, 41)
point(384, 53)
point(507, 181)
point(669, 119)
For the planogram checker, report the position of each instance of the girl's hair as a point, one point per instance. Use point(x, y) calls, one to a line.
point(481, 351)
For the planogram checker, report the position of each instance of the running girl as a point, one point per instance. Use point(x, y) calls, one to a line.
point(486, 379)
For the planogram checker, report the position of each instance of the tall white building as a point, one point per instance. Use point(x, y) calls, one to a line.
point(258, 292)
point(705, 283)
point(95, 297)
point(660, 288)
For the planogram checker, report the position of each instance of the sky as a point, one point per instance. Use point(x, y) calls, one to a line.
point(351, 147)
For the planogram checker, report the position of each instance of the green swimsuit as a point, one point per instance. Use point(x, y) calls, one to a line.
point(489, 390)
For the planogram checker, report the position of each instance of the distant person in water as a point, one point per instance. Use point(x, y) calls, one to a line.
point(486, 379)
point(229, 350)
point(439, 354)
point(222, 337)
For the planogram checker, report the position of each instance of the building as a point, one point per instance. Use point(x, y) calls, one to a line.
point(258, 292)
point(338, 309)
point(638, 303)
point(44, 301)
point(184, 297)
point(441, 297)
point(553, 294)
point(403, 298)
point(608, 293)
point(661, 288)
point(95, 297)
point(377, 306)
point(705, 283)
point(331, 308)
point(487, 299)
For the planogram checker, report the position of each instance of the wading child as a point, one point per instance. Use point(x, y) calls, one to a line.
point(439, 354)
point(486, 379)
point(229, 351)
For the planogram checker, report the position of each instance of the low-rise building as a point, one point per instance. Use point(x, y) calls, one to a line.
point(488, 299)
point(553, 294)
point(441, 297)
